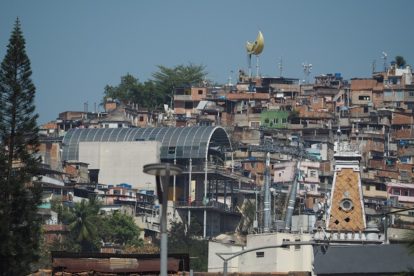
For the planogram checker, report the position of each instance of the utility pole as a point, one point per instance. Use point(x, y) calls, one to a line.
point(266, 209)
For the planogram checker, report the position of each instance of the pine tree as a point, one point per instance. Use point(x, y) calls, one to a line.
point(19, 198)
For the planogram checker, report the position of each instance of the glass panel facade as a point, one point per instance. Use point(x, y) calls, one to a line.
point(188, 142)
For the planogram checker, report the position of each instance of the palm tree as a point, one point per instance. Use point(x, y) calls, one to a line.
point(83, 219)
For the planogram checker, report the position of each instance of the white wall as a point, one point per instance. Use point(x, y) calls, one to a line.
point(277, 259)
point(121, 162)
point(215, 263)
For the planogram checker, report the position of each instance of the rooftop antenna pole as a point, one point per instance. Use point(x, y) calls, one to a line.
point(249, 61)
point(384, 57)
point(280, 67)
point(307, 68)
point(231, 73)
point(374, 65)
point(257, 66)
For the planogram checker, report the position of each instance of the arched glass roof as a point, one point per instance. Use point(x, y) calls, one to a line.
point(176, 142)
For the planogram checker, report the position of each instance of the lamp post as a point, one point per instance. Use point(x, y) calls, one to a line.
point(163, 171)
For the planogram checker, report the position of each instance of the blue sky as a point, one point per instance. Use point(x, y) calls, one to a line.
point(77, 47)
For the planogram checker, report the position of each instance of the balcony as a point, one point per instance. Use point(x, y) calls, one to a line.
point(403, 134)
point(211, 205)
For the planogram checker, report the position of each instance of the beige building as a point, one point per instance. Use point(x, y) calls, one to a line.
point(278, 259)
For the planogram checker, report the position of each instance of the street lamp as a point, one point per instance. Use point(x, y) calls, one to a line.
point(163, 171)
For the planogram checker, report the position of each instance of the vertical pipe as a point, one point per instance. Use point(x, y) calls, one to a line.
point(175, 163)
point(255, 213)
point(292, 198)
point(231, 196)
point(217, 190)
point(225, 192)
point(164, 235)
point(386, 229)
point(205, 197)
point(225, 268)
point(266, 208)
point(189, 193)
point(232, 162)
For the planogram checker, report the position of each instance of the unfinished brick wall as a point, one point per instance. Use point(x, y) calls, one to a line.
point(402, 119)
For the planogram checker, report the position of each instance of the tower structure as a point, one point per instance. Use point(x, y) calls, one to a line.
point(346, 211)
point(255, 48)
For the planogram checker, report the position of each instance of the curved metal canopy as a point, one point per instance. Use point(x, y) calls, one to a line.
point(176, 142)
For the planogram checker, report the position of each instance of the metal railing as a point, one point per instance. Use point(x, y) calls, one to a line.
point(210, 205)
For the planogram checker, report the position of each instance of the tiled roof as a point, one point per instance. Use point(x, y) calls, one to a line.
point(346, 187)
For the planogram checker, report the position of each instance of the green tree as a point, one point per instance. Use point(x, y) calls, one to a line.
point(166, 79)
point(152, 94)
point(83, 220)
point(19, 223)
point(131, 90)
point(124, 90)
point(400, 61)
point(120, 229)
point(182, 240)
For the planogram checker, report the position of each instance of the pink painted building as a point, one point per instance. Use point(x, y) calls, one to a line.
point(401, 193)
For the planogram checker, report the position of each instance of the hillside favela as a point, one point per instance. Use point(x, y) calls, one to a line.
point(265, 174)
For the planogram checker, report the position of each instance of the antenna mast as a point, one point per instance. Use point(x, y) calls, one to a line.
point(280, 67)
point(307, 68)
point(384, 57)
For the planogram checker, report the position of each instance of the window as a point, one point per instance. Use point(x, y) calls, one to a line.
point(286, 240)
point(141, 118)
point(188, 105)
point(367, 188)
point(404, 175)
point(276, 120)
point(297, 246)
point(365, 109)
point(411, 93)
point(171, 150)
point(260, 254)
point(200, 92)
point(411, 213)
point(255, 125)
point(364, 98)
point(284, 120)
point(346, 205)
point(396, 191)
point(312, 173)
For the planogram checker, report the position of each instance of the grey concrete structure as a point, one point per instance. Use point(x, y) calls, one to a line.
point(121, 162)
